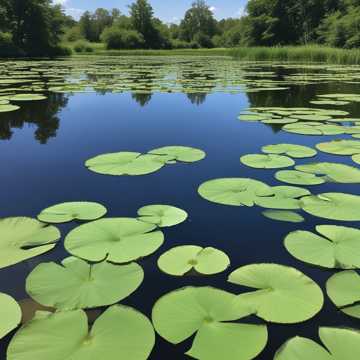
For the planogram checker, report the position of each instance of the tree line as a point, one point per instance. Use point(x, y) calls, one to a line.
point(38, 27)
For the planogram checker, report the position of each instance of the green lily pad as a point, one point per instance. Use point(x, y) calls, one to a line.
point(126, 163)
point(333, 172)
point(79, 285)
point(27, 97)
point(336, 246)
point(162, 215)
point(208, 312)
point(234, 191)
point(343, 289)
point(180, 153)
point(284, 295)
point(261, 161)
point(314, 129)
point(329, 102)
point(69, 211)
point(283, 215)
point(340, 147)
point(292, 150)
point(118, 240)
point(8, 108)
point(10, 314)
point(333, 206)
point(295, 177)
point(64, 335)
point(340, 344)
point(180, 260)
point(252, 117)
point(280, 121)
point(23, 238)
point(356, 158)
point(315, 117)
point(283, 198)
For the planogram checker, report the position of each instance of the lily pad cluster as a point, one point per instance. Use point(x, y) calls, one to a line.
point(133, 163)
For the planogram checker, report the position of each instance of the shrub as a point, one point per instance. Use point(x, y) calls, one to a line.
point(180, 44)
point(116, 38)
point(73, 34)
point(82, 46)
point(203, 40)
point(7, 47)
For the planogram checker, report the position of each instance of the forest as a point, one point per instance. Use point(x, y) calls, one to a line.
point(40, 28)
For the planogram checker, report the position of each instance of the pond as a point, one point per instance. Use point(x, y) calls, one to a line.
point(96, 106)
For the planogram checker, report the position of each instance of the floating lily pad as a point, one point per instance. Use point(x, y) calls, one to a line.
point(343, 289)
point(356, 158)
point(333, 206)
point(335, 247)
point(180, 260)
point(208, 312)
point(8, 108)
point(292, 150)
point(314, 129)
point(333, 172)
point(261, 161)
point(283, 215)
point(27, 97)
point(79, 285)
point(118, 240)
point(180, 153)
point(295, 177)
point(339, 344)
point(234, 191)
point(340, 147)
point(283, 198)
point(120, 331)
point(162, 215)
point(10, 314)
point(126, 163)
point(284, 295)
point(69, 211)
point(315, 117)
point(23, 238)
point(252, 117)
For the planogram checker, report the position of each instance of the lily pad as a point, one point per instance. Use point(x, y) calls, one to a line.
point(336, 246)
point(8, 108)
point(283, 215)
point(182, 259)
point(333, 206)
point(79, 285)
point(332, 172)
point(126, 163)
point(295, 177)
point(340, 147)
point(234, 191)
point(284, 295)
point(208, 312)
point(118, 240)
point(69, 211)
point(27, 97)
point(292, 150)
point(340, 344)
point(162, 215)
point(343, 289)
point(23, 238)
point(261, 161)
point(10, 314)
point(180, 153)
point(64, 335)
point(356, 158)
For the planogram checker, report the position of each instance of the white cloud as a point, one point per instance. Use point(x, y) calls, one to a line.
point(61, 2)
point(212, 9)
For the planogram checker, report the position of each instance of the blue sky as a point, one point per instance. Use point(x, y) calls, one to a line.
point(168, 11)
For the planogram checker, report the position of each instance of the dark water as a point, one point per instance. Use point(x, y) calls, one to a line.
point(43, 148)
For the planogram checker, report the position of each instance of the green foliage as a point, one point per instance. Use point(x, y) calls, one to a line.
point(83, 46)
point(116, 38)
point(7, 46)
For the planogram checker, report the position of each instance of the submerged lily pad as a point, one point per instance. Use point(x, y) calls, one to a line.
point(69, 211)
point(284, 295)
point(340, 344)
point(335, 247)
point(23, 238)
point(340, 147)
point(295, 177)
point(334, 172)
point(126, 163)
point(162, 215)
point(180, 153)
point(261, 161)
point(27, 97)
point(333, 206)
point(283, 215)
point(64, 335)
point(343, 289)
point(292, 150)
point(118, 240)
point(79, 285)
point(234, 191)
point(10, 314)
point(180, 260)
point(208, 312)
